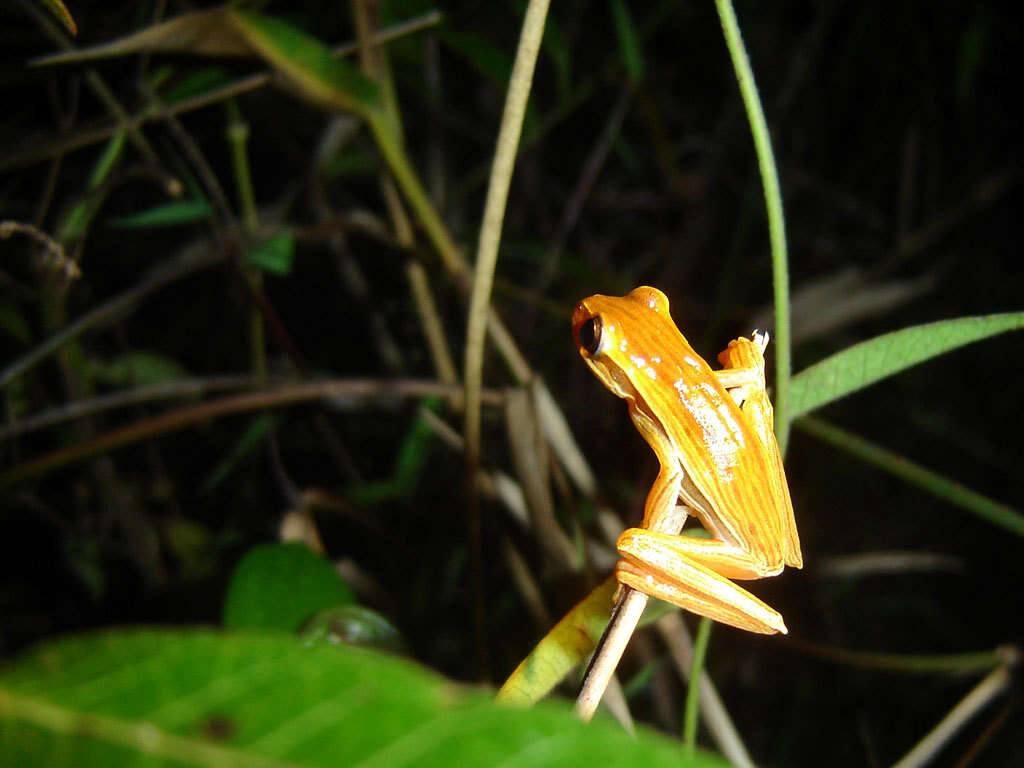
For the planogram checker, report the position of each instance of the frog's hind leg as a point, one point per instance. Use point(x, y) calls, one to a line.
point(689, 572)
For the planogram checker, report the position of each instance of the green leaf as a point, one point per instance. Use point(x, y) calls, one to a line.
point(481, 53)
point(412, 458)
point(208, 698)
point(567, 645)
point(569, 642)
point(137, 369)
point(77, 222)
point(275, 254)
point(207, 33)
point(253, 436)
point(279, 586)
point(198, 83)
point(308, 64)
point(862, 364)
point(166, 215)
point(629, 45)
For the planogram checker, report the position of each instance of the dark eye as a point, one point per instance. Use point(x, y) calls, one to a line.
point(590, 335)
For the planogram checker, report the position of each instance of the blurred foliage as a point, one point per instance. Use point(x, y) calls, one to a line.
point(900, 166)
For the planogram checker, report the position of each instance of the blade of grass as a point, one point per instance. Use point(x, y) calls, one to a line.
point(700, 647)
point(629, 44)
point(953, 492)
point(862, 364)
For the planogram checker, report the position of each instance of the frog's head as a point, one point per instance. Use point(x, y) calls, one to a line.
point(615, 334)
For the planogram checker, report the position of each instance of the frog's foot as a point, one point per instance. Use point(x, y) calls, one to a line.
point(676, 570)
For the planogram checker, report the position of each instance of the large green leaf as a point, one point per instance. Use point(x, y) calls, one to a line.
point(207, 698)
point(862, 364)
point(279, 586)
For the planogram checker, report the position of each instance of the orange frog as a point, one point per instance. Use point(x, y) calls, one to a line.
point(712, 434)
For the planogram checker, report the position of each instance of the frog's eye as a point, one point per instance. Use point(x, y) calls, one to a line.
point(590, 335)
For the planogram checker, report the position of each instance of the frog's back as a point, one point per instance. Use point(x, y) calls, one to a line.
point(718, 448)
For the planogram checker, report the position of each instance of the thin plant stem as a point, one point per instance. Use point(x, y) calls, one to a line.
point(494, 214)
point(192, 259)
point(407, 180)
point(99, 88)
point(993, 685)
point(480, 297)
point(712, 711)
point(241, 403)
point(700, 647)
point(40, 150)
point(238, 136)
point(629, 607)
point(776, 221)
point(994, 512)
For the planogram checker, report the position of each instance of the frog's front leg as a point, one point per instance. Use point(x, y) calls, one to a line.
point(743, 376)
point(694, 574)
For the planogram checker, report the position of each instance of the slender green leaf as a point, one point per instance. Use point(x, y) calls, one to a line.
point(308, 64)
point(137, 369)
point(205, 33)
point(412, 458)
point(77, 222)
point(166, 215)
point(253, 437)
point(629, 44)
point(275, 254)
point(488, 59)
point(219, 699)
point(279, 586)
point(558, 51)
point(197, 83)
point(863, 364)
point(953, 492)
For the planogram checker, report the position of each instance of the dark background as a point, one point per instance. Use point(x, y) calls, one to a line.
point(900, 165)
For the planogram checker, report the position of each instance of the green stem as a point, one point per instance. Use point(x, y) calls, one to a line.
point(398, 161)
point(776, 222)
point(238, 136)
point(953, 492)
point(700, 647)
